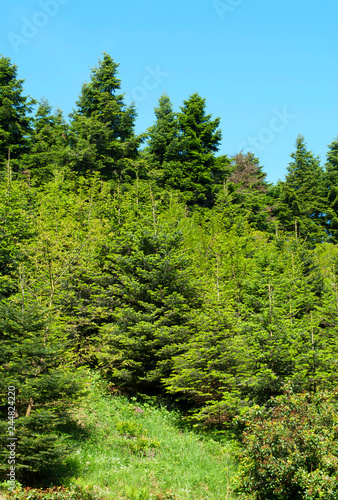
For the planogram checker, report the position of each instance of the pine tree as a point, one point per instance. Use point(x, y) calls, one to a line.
point(201, 137)
point(163, 136)
point(185, 147)
point(331, 187)
point(103, 127)
point(302, 206)
point(45, 390)
point(15, 108)
point(49, 151)
point(163, 150)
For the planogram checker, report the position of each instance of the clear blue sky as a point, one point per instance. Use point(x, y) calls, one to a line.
point(267, 68)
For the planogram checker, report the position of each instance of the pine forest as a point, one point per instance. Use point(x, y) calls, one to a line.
point(146, 277)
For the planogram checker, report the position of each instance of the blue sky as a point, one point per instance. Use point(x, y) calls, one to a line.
point(267, 68)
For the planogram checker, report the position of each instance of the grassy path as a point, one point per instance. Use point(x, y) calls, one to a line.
point(140, 453)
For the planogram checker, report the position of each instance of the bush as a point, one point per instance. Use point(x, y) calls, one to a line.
point(290, 449)
point(56, 493)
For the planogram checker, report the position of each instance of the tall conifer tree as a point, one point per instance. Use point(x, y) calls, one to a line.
point(15, 107)
point(331, 186)
point(163, 136)
point(201, 138)
point(102, 125)
point(302, 207)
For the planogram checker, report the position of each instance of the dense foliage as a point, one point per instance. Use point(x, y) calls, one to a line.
point(170, 270)
point(291, 449)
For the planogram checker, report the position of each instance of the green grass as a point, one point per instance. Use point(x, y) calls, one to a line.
point(139, 452)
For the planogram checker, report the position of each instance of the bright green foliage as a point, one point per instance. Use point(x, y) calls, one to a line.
point(302, 207)
point(208, 372)
point(16, 229)
point(44, 391)
point(290, 449)
point(48, 150)
point(15, 123)
point(171, 271)
point(268, 317)
point(102, 126)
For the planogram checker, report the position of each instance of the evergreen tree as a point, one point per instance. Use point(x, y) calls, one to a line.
point(302, 206)
point(153, 293)
point(31, 362)
point(16, 230)
point(163, 136)
point(331, 186)
point(185, 149)
point(49, 150)
point(163, 150)
point(200, 141)
point(103, 127)
point(15, 122)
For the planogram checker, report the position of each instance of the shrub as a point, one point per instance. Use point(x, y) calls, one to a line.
point(290, 449)
point(55, 493)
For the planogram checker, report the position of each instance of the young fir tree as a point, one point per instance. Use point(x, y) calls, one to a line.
point(16, 229)
point(153, 291)
point(102, 126)
point(32, 363)
point(15, 122)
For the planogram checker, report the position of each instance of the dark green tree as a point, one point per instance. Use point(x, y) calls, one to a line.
point(331, 187)
point(15, 108)
point(302, 205)
point(164, 135)
point(31, 362)
point(102, 126)
point(185, 148)
point(154, 301)
point(201, 137)
point(49, 151)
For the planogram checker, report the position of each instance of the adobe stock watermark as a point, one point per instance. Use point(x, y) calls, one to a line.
point(224, 7)
point(12, 439)
point(150, 81)
point(278, 123)
point(31, 26)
